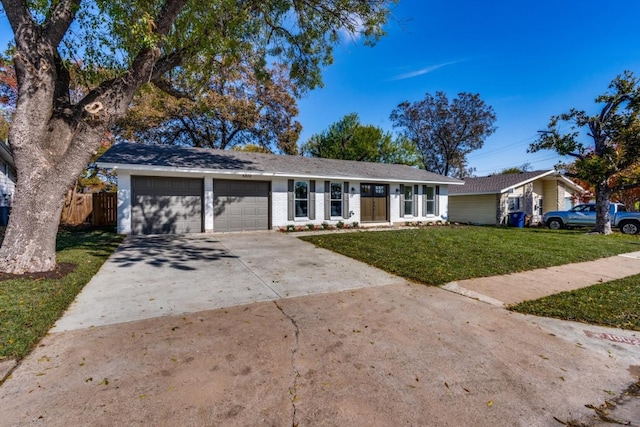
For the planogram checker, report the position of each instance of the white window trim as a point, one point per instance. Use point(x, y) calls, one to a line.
point(295, 199)
point(410, 214)
point(331, 199)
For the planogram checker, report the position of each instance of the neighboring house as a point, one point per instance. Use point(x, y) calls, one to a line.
point(7, 175)
point(489, 200)
point(178, 190)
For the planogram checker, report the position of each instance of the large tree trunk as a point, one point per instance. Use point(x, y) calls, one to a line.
point(51, 137)
point(30, 240)
point(603, 221)
point(44, 176)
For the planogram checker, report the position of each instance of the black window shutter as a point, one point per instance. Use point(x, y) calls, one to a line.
point(290, 201)
point(312, 199)
point(424, 200)
point(401, 200)
point(327, 200)
point(345, 199)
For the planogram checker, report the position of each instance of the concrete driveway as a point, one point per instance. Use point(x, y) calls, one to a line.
point(147, 344)
point(152, 276)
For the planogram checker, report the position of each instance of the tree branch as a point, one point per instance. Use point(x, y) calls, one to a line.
point(168, 15)
point(625, 186)
point(168, 63)
point(17, 12)
point(63, 14)
point(166, 86)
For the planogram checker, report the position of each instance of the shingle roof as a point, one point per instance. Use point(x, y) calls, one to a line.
point(496, 183)
point(128, 154)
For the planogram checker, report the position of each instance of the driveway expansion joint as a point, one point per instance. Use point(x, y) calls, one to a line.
point(251, 270)
point(293, 390)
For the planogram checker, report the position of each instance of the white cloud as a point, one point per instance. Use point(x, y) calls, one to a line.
point(423, 71)
point(347, 35)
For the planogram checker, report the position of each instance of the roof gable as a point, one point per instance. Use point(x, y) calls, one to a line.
point(139, 156)
point(496, 184)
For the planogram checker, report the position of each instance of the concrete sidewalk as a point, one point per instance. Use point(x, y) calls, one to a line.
point(529, 285)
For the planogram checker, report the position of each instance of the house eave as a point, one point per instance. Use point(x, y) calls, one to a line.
point(483, 193)
point(147, 169)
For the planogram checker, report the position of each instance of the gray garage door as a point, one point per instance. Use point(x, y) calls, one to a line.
point(166, 205)
point(240, 205)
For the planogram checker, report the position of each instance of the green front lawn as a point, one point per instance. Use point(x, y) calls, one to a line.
point(435, 256)
point(29, 307)
point(438, 255)
point(615, 303)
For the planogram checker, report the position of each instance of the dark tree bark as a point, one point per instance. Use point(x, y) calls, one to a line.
point(53, 140)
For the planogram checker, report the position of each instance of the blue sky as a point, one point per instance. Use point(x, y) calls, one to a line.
point(527, 59)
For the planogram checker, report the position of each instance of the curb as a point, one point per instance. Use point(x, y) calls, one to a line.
point(457, 289)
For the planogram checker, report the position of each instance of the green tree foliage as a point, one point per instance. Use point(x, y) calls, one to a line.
point(118, 46)
point(525, 167)
point(607, 158)
point(446, 132)
point(348, 139)
point(239, 105)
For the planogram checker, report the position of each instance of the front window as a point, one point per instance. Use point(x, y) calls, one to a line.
point(430, 196)
point(540, 206)
point(301, 191)
point(408, 200)
point(514, 204)
point(336, 199)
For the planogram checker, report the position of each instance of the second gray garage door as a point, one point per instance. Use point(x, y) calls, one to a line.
point(240, 205)
point(166, 205)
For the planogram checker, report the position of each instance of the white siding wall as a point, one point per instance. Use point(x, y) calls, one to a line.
point(208, 205)
point(443, 202)
point(394, 204)
point(354, 201)
point(279, 203)
point(124, 203)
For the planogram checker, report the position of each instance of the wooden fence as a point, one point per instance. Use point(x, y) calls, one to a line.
point(95, 208)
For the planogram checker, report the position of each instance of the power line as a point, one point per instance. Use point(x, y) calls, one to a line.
point(518, 164)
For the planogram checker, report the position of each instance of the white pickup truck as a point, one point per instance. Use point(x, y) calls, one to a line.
point(585, 216)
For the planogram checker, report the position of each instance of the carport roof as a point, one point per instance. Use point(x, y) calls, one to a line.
point(128, 156)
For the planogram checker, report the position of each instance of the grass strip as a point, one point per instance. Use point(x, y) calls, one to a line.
point(615, 304)
point(30, 307)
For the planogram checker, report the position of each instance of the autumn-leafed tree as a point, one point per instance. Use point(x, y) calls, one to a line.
point(628, 195)
point(242, 103)
point(607, 151)
point(120, 46)
point(8, 96)
point(348, 139)
point(446, 132)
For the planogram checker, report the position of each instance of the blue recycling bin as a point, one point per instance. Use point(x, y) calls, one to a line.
point(516, 219)
point(4, 215)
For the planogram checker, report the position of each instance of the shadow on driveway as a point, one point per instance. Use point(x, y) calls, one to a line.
point(178, 252)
